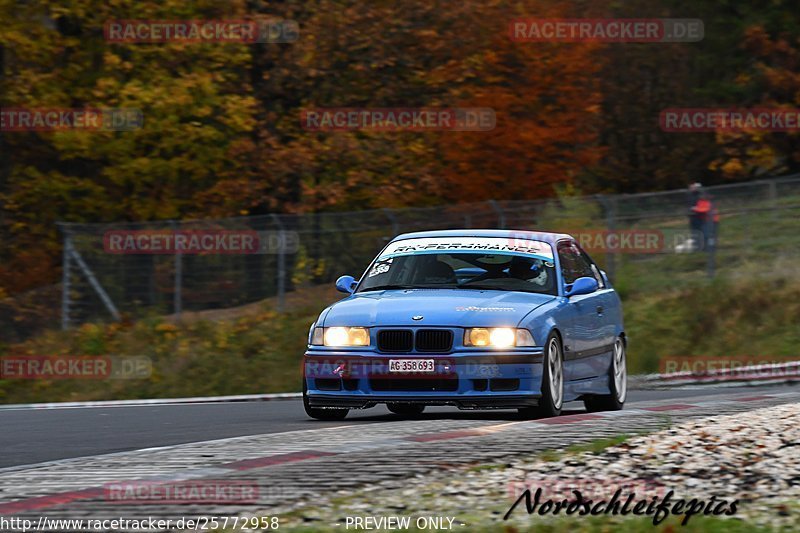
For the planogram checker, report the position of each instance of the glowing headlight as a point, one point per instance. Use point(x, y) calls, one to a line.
point(502, 337)
point(339, 336)
point(498, 337)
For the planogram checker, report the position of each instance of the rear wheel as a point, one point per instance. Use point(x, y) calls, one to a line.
point(552, 399)
point(405, 409)
point(618, 383)
point(319, 413)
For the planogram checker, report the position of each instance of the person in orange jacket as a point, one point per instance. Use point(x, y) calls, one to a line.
point(703, 216)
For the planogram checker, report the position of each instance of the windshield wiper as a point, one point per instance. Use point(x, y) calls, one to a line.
point(481, 287)
point(386, 288)
point(392, 287)
point(496, 288)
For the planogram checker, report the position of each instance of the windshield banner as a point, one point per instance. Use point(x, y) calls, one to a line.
point(469, 244)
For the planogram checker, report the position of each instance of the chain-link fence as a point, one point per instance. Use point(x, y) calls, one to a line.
point(111, 271)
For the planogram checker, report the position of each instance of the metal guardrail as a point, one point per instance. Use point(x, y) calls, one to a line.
point(757, 374)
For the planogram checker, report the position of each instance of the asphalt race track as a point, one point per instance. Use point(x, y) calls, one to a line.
point(94, 462)
point(32, 436)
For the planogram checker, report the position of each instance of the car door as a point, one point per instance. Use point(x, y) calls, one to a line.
point(609, 308)
point(583, 336)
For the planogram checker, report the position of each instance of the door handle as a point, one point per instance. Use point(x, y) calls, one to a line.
point(599, 309)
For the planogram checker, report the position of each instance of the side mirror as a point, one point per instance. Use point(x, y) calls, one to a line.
point(584, 285)
point(346, 284)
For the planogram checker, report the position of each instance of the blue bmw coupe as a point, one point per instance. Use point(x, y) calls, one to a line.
point(476, 319)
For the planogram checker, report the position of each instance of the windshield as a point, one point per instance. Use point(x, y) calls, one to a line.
point(461, 270)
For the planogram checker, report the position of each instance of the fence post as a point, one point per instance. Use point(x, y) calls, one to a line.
point(711, 245)
point(281, 278)
point(393, 221)
point(610, 210)
point(501, 216)
point(177, 297)
point(65, 280)
point(773, 199)
point(773, 193)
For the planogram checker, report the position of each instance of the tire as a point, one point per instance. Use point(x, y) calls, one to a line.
point(319, 413)
point(617, 382)
point(406, 409)
point(552, 399)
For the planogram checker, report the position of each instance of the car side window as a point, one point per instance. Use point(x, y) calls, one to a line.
point(595, 269)
point(569, 268)
point(573, 265)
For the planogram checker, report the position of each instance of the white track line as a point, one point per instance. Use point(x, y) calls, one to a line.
point(156, 401)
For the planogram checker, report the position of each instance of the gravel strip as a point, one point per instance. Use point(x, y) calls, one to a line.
point(752, 457)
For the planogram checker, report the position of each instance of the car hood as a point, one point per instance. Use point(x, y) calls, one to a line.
point(438, 307)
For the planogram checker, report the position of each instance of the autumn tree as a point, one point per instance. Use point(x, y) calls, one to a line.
point(773, 77)
point(547, 104)
point(195, 106)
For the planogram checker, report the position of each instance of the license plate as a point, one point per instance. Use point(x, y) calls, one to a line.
point(411, 365)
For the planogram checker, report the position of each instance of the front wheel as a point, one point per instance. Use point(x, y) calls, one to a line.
point(552, 399)
point(618, 383)
point(405, 409)
point(321, 414)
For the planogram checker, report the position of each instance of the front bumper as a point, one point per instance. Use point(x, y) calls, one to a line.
point(467, 380)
